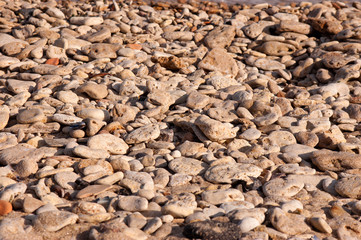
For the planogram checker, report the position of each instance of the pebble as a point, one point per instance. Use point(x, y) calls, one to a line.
point(217, 197)
point(133, 203)
point(109, 142)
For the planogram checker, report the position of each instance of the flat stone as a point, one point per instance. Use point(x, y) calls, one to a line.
point(288, 223)
point(229, 173)
point(143, 134)
point(93, 90)
point(349, 187)
point(87, 152)
point(282, 187)
point(13, 155)
point(217, 197)
point(220, 37)
point(66, 179)
point(92, 190)
point(327, 160)
point(31, 116)
point(188, 166)
point(53, 221)
point(215, 130)
point(219, 60)
point(108, 142)
point(133, 203)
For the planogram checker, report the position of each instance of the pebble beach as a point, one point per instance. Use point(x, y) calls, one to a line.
point(180, 120)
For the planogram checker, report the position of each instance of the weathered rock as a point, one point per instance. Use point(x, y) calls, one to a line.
point(335, 161)
point(219, 60)
point(220, 37)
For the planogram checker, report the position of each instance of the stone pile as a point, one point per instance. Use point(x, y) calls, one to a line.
point(123, 120)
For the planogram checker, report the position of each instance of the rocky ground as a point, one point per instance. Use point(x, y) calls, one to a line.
point(121, 120)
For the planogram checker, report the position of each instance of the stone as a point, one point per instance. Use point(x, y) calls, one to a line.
point(93, 113)
point(188, 166)
point(108, 142)
point(11, 191)
point(220, 37)
point(5, 207)
point(89, 21)
point(18, 86)
point(87, 152)
point(229, 173)
point(4, 119)
point(281, 138)
point(219, 60)
point(92, 190)
point(320, 224)
point(31, 204)
point(268, 64)
point(84, 207)
point(212, 230)
point(53, 221)
point(349, 187)
point(215, 130)
point(288, 223)
point(133, 203)
point(327, 160)
point(66, 119)
point(93, 90)
point(7, 61)
point(153, 225)
point(26, 167)
point(282, 187)
point(248, 223)
point(217, 197)
point(66, 180)
point(181, 205)
point(143, 134)
point(13, 155)
point(274, 48)
point(136, 220)
point(100, 50)
point(31, 116)
point(292, 26)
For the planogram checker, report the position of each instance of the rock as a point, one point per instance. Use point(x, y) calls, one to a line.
point(93, 90)
point(4, 119)
point(188, 166)
point(136, 220)
point(274, 48)
point(288, 222)
point(31, 204)
point(181, 205)
point(143, 134)
point(153, 225)
point(108, 142)
point(217, 197)
point(93, 113)
point(215, 130)
point(212, 230)
point(92, 190)
point(11, 191)
point(66, 119)
point(7, 61)
point(268, 64)
point(100, 50)
point(282, 187)
point(292, 26)
point(327, 160)
point(5, 207)
point(31, 116)
point(53, 221)
point(247, 224)
point(349, 187)
point(133, 203)
point(281, 138)
point(220, 37)
point(87, 152)
point(66, 180)
point(219, 60)
point(320, 224)
point(88, 208)
point(13, 155)
point(89, 21)
point(26, 167)
point(229, 173)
